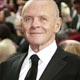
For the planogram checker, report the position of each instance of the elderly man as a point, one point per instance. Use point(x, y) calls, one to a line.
point(45, 60)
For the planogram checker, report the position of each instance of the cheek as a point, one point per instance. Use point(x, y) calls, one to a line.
point(51, 29)
point(25, 30)
point(51, 32)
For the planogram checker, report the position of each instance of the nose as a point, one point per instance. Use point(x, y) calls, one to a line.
point(36, 23)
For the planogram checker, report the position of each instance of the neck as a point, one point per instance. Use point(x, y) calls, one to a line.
point(37, 48)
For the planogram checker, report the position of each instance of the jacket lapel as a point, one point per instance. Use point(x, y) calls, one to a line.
point(15, 69)
point(55, 65)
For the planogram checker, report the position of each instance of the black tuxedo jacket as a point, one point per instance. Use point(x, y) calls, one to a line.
point(62, 66)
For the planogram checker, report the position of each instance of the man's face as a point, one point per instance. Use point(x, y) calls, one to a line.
point(39, 23)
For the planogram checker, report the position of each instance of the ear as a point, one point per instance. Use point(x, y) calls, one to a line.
point(58, 25)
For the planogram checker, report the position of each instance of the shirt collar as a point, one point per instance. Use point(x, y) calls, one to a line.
point(45, 54)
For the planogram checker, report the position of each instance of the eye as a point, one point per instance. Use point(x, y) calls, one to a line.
point(28, 19)
point(43, 19)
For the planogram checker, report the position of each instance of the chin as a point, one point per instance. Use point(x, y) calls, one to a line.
point(35, 42)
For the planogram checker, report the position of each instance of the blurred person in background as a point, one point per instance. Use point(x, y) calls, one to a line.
point(66, 21)
point(75, 25)
point(5, 33)
point(22, 43)
point(7, 45)
point(12, 6)
point(2, 16)
point(7, 49)
point(71, 46)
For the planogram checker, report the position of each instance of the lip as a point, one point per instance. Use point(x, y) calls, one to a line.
point(35, 32)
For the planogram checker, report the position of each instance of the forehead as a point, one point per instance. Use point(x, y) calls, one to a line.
point(35, 7)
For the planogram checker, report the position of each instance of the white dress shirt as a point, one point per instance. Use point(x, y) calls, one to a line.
point(44, 55)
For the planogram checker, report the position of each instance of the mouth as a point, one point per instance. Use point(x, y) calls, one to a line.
point(35, 32)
